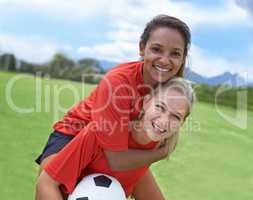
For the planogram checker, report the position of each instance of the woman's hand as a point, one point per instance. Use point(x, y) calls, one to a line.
point(168, 145)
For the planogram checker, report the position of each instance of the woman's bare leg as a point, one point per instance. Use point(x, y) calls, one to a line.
point(147, 188)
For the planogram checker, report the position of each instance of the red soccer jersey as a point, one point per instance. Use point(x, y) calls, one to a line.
point(84, 156)
point(116, 100)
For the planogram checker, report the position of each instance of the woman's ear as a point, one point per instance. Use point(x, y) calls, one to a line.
point(141, 49)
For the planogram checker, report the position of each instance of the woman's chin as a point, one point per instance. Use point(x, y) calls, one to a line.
point(158, 138)
point(154, 137)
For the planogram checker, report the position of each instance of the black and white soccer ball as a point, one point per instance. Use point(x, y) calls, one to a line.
point(98, 187)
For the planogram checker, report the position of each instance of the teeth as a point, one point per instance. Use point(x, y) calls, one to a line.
point(159, 68)
point(157, 127)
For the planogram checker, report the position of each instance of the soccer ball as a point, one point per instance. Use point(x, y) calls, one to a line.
point(98, 187)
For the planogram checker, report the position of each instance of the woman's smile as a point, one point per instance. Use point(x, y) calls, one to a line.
point(159, 68)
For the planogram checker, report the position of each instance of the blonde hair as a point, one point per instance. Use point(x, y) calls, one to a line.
point(181, 85)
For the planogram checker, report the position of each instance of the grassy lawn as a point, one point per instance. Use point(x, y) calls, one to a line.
point(213, 159)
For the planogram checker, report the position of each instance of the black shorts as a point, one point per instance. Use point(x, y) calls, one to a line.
point(55, 143)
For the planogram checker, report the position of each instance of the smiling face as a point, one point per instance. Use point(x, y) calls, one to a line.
point(163, 55)
point(164, 114)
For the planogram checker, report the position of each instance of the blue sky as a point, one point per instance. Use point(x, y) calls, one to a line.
point(222, 30)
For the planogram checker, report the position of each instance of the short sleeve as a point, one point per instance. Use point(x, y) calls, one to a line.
point(111, 111)
point(69, 163)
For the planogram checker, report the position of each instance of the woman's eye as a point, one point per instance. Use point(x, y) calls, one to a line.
point(155, 49)
point(176, 117)
point(176, 54)
point(160, 107)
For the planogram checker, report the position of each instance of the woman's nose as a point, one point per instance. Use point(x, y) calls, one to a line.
point(165, 59)
point(164, 121)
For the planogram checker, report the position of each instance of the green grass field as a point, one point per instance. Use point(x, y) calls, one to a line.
point(213, 161)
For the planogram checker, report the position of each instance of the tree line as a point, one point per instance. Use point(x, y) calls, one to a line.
point(235, 97)
point(60, 66)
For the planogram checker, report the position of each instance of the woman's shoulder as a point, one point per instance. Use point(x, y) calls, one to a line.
point(125, 72)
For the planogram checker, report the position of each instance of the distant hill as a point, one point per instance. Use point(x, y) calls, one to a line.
point(107, 65)
point(225, 78)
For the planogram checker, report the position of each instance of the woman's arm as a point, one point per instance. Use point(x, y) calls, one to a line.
point(130, 159)
point(147, 188)
point(47, 188)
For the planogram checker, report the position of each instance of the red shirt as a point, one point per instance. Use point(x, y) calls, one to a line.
point(116, 100)
point(84, 156)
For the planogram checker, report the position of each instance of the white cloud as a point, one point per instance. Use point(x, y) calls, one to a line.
point(208, 65)
point(115, 51)
point(246, 4)
point(60, 8)
point(136, 12)
point(34, 49)
point(194, 15)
